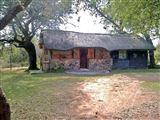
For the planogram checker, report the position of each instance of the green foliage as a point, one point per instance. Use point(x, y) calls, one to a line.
point(1, 49)
point(138, 15)
point(58, 70)
point(157, 54)
point(5, 4)
point(17, 57)
point(93, 2)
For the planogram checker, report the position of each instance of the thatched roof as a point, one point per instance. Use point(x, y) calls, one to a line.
point(63, 40)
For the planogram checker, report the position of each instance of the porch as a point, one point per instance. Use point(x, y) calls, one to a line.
point(83, 71)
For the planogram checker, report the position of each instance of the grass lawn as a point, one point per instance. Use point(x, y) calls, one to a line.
point(20, 85)
point(27, 93)
point(151, 86)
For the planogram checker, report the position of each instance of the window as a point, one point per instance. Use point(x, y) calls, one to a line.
point(135, 55)
point(122, 54)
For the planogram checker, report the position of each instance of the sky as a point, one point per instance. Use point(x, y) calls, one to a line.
point(87, 23)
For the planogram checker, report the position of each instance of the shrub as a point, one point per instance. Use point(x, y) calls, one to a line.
point(58, 70)
point(18, 57)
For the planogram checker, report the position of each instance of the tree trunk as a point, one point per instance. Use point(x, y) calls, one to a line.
point(152, 60)
point(30, 48)
point(4, 107)
point(151, 52)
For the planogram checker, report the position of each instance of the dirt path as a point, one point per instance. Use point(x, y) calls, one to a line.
point(117, 97)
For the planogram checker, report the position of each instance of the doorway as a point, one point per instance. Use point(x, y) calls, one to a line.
point(83, 58)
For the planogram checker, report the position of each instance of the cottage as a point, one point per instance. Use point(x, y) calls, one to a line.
point(73, 50)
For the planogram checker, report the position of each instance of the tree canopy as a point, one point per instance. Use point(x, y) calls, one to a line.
point(139, 16)
point(9, 9)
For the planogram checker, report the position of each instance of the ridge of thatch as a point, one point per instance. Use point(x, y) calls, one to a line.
point(64, 40)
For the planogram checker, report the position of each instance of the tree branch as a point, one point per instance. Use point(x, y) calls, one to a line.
point(24, 31)
point(7, 41)
point(12, 14)
point(26, 3)
point(11, 40)
point(14, 30)
point(18, 46)
point(106, 17)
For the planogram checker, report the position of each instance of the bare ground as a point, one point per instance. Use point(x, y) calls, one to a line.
point(116, 97)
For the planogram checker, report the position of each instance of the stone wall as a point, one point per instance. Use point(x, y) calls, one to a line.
point(98, 59)
point(74, 64)
point(67, 64)
point(101, 61)
point(45, 65)
point(100, 64)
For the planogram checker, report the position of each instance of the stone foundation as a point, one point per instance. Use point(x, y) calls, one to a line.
point(99, 64)
point(74, 64)
point(67, 64)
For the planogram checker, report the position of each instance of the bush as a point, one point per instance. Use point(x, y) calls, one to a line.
point(58, 70)
point(18, 57)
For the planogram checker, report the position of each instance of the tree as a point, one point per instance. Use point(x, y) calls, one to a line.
point(95, 6)
point(6, 19)
point(131, 17)
point(140, 16)
point(39, 15)
point(12, 12)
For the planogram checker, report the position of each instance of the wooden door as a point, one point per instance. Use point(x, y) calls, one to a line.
point(83, 58)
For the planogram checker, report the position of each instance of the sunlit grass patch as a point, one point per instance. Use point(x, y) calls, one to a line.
point(142, 71)
point(151, 85)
